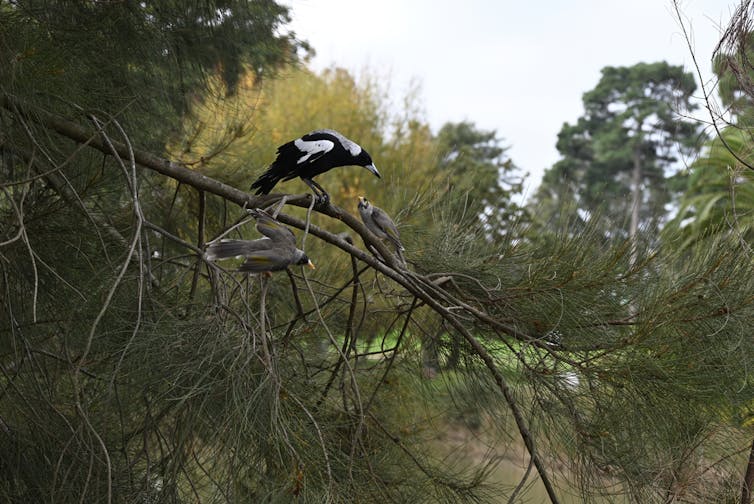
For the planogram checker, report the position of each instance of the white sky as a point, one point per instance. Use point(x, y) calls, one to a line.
point(518, 67)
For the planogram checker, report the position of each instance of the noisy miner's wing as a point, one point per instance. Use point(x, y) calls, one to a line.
point(224, 249)
point(387, 225)
point(273, 229)
point(274, 259)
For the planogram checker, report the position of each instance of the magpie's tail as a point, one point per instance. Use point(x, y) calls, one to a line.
point(265, 182)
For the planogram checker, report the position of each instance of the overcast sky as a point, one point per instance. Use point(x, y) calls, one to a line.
point(517, 67)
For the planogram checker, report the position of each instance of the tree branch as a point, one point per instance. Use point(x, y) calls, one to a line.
point(422, 288)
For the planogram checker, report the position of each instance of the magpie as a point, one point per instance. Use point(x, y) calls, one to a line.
point(313, 154)
point(275, 252)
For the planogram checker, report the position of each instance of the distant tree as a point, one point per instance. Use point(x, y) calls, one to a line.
point(732, 64)
point(719, 195)
point(482, 177)
point(618, 156)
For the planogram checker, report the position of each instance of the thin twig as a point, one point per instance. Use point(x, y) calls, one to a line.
point(199, 245)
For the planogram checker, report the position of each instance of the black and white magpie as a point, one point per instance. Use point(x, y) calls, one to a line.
point(275, 252)
point(311, 155)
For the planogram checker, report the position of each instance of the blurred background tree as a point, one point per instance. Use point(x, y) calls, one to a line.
point(143, 62)
point(619, 156)
point(476, 167)
point(717, 197)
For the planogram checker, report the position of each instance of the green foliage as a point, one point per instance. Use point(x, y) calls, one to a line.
point(177, 396)
point(732, 66)
point(138, 61)
point(719, 192)
point(476, 167)
point(630, 132)
point(131, 370)
point(638, 386)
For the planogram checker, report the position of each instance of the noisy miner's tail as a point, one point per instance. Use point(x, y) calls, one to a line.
point(225, 249)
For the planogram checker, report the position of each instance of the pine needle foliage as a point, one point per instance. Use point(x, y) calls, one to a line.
point(133, 370)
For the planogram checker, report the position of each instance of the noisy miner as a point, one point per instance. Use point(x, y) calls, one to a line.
point(275, 252)
point(380, 223)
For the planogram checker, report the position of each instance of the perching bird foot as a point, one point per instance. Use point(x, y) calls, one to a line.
point(321, 201)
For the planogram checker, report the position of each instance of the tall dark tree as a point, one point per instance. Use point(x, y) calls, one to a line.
point(74, 230)
point(142, 62)
point(478, 171)
point(617, 158)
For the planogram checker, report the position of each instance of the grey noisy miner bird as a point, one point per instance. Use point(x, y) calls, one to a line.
point(275, 252)
point(380, 223)
point(311, 155)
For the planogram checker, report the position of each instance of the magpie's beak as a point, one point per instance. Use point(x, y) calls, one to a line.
point(372, 169)
point(310, 264)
